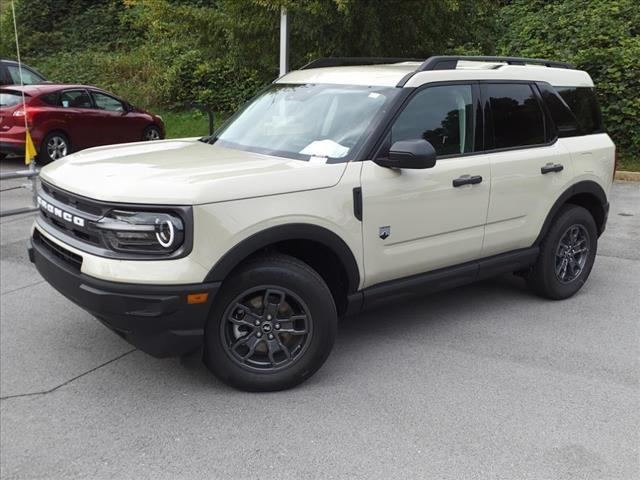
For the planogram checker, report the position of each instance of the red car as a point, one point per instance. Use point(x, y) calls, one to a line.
point(67, 118)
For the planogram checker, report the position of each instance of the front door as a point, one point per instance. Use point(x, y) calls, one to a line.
point(416, 221)
point(117, 125)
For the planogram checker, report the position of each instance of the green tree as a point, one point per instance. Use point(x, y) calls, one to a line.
point(601, 37)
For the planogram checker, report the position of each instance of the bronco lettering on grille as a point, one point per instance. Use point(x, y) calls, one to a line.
point(58, 212)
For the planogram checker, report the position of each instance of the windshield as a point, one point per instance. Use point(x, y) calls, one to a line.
point(307, 121)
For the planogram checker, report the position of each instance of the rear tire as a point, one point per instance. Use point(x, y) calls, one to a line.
point(55, 146)
point(567, 254)
point(272, 325)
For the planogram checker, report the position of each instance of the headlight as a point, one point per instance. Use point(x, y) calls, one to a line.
point(141, 232)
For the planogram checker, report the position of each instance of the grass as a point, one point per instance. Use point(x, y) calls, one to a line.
point(180, 124)
point(629, 164)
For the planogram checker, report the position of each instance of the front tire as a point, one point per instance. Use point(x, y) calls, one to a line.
point(567, 253)
point(151, 133)
point(272, 325)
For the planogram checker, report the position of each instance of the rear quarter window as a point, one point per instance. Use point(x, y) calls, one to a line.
point(51, 99)
point(584, 106)
point(9, 99)
point(564, 120)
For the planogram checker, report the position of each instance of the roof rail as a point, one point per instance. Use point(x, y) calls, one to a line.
point(451, 62)
point(352, 61)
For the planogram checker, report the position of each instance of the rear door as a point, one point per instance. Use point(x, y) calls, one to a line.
point(77, 112)
point(415, 221)
point(529, 167)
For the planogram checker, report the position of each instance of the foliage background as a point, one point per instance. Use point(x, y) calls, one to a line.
point(165, 53)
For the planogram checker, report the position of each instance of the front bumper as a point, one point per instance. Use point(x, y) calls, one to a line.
point(157, 319)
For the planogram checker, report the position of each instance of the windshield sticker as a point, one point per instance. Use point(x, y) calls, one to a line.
point(374, 95)
point(325, 148)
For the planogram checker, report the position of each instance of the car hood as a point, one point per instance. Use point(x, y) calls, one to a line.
point(184, 172)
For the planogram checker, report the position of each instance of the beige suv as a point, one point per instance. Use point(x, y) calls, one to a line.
point(338, 187)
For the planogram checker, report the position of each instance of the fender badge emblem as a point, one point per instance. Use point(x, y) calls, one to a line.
point(385, 232)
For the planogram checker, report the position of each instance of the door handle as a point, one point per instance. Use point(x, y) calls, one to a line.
point(467, 180)
point(551, 167)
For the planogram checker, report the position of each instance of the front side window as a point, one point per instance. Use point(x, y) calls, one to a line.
point(518, 120)
point(29, 77)
point(75, 99)
point(442, 115)
point(107, 102)
point(306, 121)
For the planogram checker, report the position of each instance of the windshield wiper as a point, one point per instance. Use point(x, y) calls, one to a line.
point(210, 139)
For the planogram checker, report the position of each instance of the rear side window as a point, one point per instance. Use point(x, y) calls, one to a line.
point(518, 119)
point(9, 99)
point(583, 104)
point(75, 99)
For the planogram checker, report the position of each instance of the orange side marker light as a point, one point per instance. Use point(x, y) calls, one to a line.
point(195, 298)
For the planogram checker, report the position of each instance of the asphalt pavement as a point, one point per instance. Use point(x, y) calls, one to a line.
point(485, 381)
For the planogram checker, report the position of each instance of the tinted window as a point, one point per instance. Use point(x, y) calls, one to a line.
point(9, 99)
point(75, 99)
point(441, 115)
point(583, 104)
point(29, 77)
point(51, 99)
point(517, 116)
point(564, 121)
point(106, 102)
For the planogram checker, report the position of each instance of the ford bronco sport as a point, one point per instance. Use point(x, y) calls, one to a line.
point(342, 185)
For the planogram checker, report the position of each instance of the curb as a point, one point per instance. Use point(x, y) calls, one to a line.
point(627, 176)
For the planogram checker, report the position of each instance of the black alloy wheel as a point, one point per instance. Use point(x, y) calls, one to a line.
point(272, 325)
point(266, 328)
point(567, 254)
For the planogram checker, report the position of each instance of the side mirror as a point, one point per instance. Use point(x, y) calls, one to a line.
point(409, 154)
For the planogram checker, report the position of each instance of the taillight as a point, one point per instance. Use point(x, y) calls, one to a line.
point(615, 162)
point(19, 115)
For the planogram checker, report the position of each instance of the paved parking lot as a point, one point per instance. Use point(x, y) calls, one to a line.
point(485, 381)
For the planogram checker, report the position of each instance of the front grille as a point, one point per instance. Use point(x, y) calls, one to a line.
point(74, 201)
point(71, 229)
point(85, 208)
point(69, 258)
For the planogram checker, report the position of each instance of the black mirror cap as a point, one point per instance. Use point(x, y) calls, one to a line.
point(410, 154)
